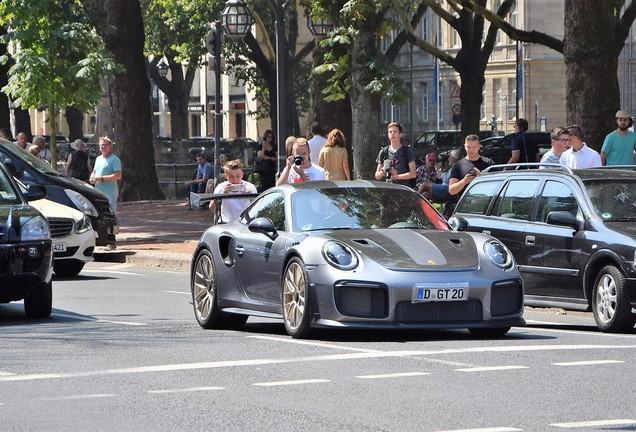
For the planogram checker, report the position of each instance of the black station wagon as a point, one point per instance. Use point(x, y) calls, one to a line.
point(572, 233)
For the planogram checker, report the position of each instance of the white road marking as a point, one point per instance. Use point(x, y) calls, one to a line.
point(566, 331)
point(185, 390)
point(119, 272)
point(490, 368)
point(393, 375)
point(595, 423)
point(587, 362)
point(76, 397)
point(284, 383)
point(316, 344)
point(177, 292)
point(492, 429)
point(3, 373)
point(93, 319)
point(310, 359)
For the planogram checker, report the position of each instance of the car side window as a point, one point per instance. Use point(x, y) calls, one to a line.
point(270, 206)
point(556, 196)
point(516, 200)
point(478, 198)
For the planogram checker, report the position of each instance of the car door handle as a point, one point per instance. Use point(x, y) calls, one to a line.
point(240, 250)
point(530, 240)
point(487, 232)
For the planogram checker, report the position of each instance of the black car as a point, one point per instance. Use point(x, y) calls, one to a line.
point(572, 233)
point(499, 149)
point(26, 256)
point(64, 190)
point(442, 142)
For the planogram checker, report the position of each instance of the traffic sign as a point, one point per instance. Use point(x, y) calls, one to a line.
point(456, 109)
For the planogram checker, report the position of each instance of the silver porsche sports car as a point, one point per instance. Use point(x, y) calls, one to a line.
point(352, 254)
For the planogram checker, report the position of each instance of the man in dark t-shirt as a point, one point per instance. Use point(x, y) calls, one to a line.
point(465, 170)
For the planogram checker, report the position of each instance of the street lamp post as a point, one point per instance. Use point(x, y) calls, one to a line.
point(236, 12)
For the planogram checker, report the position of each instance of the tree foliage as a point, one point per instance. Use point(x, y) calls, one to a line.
point(60, 60)
point(595, 33)
point(176, 30)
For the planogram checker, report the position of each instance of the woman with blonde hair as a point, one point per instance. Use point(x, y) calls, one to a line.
point(334, 158)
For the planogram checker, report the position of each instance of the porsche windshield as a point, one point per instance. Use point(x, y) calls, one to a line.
point(362, 208)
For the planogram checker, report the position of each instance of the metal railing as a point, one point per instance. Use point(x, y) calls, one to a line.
point(172, 177)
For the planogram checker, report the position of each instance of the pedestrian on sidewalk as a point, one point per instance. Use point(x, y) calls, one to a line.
point(107, 172)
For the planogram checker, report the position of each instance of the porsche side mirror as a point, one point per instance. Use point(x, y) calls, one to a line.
point(264, 226)
point(458, 223)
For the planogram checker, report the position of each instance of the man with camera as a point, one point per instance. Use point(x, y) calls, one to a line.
point(299, 167)
point(619, 145)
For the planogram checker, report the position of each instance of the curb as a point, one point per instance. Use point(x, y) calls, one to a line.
point(173, 261)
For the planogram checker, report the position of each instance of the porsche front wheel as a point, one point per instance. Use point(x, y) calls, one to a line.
point(205, 296)
point(296, 306)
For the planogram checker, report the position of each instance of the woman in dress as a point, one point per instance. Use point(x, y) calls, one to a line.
point(334, 158)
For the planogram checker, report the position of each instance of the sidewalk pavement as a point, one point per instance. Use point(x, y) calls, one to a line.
point(156, 233)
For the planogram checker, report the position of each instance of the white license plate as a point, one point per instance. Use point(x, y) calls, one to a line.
point(440, 292)
point(59, 247)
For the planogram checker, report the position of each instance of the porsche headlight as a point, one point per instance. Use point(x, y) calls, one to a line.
point(83, 225)
point(340, 255)
point(36, 228)
point(81, 202)
point(498, 254)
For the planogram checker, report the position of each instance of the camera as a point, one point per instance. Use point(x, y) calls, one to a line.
point(472, 172)
point(298, 160)
point(386, 167)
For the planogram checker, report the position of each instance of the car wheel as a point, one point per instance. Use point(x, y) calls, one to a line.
point(489, 332)
point(38, 303)
point(67, 268)
point(204, 296)
point(610, 301)
point(296, 307)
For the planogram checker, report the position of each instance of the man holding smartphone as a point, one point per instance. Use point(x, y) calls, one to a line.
point(465, 170)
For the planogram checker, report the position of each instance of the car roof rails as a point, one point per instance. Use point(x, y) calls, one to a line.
point(519, 166)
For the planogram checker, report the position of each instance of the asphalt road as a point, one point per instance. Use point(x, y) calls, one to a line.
point(123, 352)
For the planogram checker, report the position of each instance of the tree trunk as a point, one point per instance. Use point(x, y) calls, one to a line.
point(22, 122)
point(365, 107)
point(132, 109)
point(75, 121)
point(331, 115)
point(177, 90)
point(53, 135)
point(5, 114)
point(471, 73)
point(591, 59)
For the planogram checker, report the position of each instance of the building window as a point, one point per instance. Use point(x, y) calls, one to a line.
point(496, 97)
point(512, 98)
point(406, 108)
point(424, 102)
point(424, 26)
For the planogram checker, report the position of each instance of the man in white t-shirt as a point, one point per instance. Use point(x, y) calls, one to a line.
point(232, 208)
point(316, 142)
point(299, 167)
point(579, 155)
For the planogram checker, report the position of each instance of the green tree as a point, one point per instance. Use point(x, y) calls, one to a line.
point(471, 60)
point(60, 59)
point(360, 71)
point(595, 34)
point(176, 30)
point(120, 24)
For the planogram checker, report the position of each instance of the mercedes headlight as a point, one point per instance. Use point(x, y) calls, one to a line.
point(340, 255)
point(36, 228)
point(498, 254)
point(81, 202)
point(83, 225)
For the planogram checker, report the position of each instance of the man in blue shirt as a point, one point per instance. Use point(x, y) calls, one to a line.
point(205, 171)
point(619, 145)
point(107, 172)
